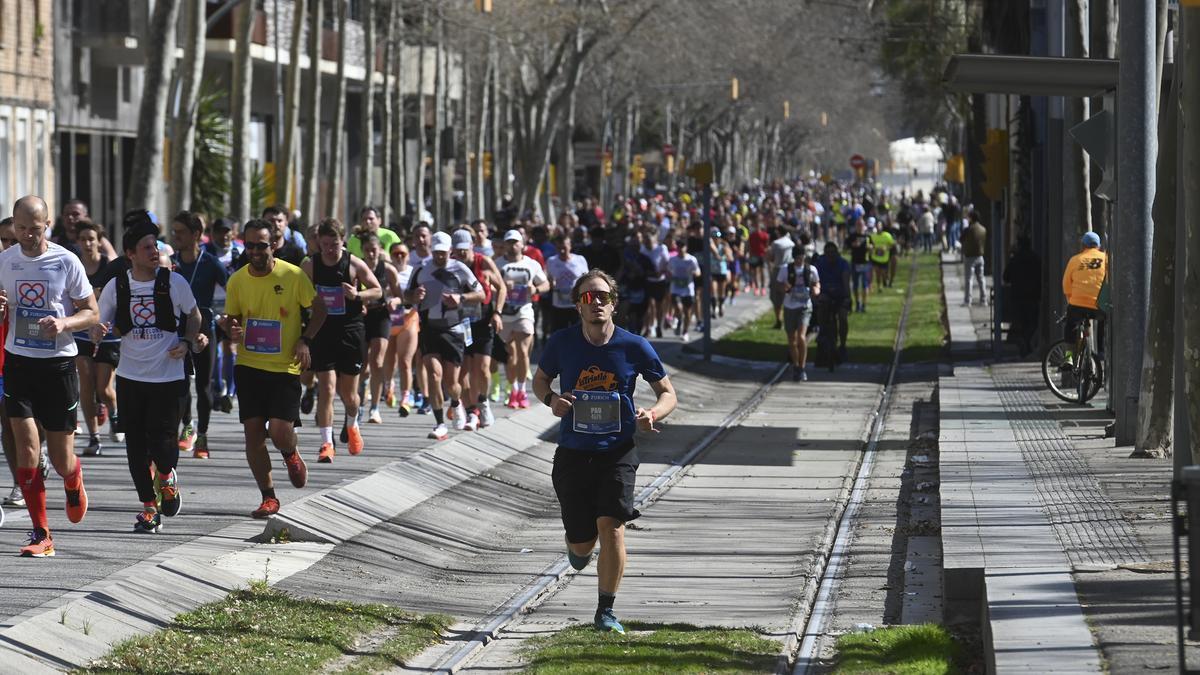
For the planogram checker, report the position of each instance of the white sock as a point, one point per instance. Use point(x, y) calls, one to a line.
point(521, 386)
point(326, 435)
point(351, 420)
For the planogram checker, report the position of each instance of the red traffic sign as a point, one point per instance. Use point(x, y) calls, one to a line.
point(668, 150)
point(858, 162)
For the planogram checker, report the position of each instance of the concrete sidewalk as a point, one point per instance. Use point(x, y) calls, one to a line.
point(1054, 539)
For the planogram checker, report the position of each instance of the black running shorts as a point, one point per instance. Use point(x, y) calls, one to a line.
point(342, 348)
point(46, 390)
point(378, 323)
point(105, 352)
point(482, 338)
point(266, 395)
point(448, 345)
point(592, 485)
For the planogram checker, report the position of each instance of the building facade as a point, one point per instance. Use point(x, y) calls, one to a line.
point(27, 111)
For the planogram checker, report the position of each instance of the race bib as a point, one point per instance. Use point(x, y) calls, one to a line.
point(597, 412)
point(399, 315)
point(680, 284)
point(518, 295)
point(880, 251)
point(27, 332)
point(334, 298)
point(264, 336)
point(562, 296)
point(464, 329)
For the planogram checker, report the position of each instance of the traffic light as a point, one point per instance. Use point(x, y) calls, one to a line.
point(607, 163)
point(995, 164)
point(956, 170)
point(733, 89)
point(487, 165)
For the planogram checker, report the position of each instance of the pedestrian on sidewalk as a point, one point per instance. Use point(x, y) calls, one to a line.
point(974, 244)
point(595, 464)
point(147, 306)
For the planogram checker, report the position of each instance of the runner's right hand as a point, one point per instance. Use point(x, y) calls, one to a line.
point(562, 404)
point(3, 304)
point(235, 330)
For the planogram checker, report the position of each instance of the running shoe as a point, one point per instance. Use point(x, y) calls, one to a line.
point(459, 415)
point(804, 376)
point(324, 455)
point(148, 522)
point(472, 422)
point(170, 499)
point(297, 470)
point(115, 434)
point(494, 392)
point(200, 449)
point(355, 440)
point(93, 449)
point(307, 400)
point(373, 417)
point(795, 374)
point(15, 498)
point(40, 545)
point(186, 438)
point(512, 399)
point(390, 398)
point(77, 501)
point(439, 433)
point(101, 414)
point(423, 405)
point(522, 399)
point(405, 408)
point(606, 620)
point(684, 337)
point(226, 403)
point(268, 508)
point(486, 418)
point(344, 436)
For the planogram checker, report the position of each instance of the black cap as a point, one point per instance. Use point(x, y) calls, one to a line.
point(137, 224)
point(223, 225)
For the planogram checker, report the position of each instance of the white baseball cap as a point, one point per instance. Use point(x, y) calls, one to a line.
point(462, 240)
point(513, 235)
point(441, 241)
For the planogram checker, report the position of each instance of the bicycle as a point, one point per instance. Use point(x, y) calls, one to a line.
point(1072, 369)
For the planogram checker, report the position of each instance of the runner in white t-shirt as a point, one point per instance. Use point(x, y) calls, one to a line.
point(799, 284)
point(524, 277)
point(563, 270)
point(683, 271)
point(44, 296)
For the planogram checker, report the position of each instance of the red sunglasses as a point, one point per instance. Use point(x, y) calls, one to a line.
point(605, 297)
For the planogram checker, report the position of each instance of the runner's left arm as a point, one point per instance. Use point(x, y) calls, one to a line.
point(371, 290)
point(663, 406)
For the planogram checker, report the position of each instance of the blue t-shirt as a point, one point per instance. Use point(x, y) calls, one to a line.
point(203, 274)
point(832, 269)
point(611, 369)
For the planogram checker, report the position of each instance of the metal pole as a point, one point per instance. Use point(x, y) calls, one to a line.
point(997, 236)
point(706, 297)
point(1181, 436)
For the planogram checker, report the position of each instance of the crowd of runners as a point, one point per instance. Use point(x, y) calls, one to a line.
point(275, 318)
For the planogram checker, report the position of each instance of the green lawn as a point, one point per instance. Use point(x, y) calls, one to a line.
point(646, 648)
point(872, 333)
point(898, 650)
point(263, 630)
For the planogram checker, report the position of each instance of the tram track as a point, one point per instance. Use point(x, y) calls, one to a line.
point(809, 622)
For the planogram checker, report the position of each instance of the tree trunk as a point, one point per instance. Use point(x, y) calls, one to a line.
point(1155, 405)
point(366, 120)
point(420, 186)
point(399, 190)
point(485, 107)
point(494, 102)
point(387, 112)
point(152, 115)
point(439, 123)
point(312, 154)
point(566, 169)
point(1078, 168)
point(185, 117)
point(333, 193)
point(1188, 67)
point(284, 167)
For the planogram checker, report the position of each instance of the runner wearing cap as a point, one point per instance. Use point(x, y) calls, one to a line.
point(441, 287)
point(344, 283)
point(485, 324)
point(44, 296)
point(264, 300)
point(595, 466)
point(524, 278)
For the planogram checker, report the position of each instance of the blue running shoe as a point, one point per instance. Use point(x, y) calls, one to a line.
point(606, 621)
point(577, 561)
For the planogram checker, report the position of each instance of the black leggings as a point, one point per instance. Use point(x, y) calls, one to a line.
point(203, 364)
point(149, 416)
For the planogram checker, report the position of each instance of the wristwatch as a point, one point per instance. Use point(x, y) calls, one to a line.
point(548, 398)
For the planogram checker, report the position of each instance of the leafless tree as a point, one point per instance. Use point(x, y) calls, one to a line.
point(192, 30)
point(152, 115)
point(312, 155)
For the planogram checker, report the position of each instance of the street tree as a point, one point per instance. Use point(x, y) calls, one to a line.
point(152, 114)
point(243, 74)
point(192, 30)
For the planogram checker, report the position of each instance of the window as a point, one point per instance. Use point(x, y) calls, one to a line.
point(21, 173)
point(6, 158)
point(126, 84)
point(39, 156)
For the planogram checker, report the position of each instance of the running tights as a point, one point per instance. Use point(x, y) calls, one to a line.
point(150, 417)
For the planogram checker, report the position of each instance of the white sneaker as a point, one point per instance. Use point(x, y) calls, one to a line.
point(472, 422)
point(374, 417)
point(439, 433)
point(486, 418)
point(460, 417)
point(15, 498)
point(685, 337)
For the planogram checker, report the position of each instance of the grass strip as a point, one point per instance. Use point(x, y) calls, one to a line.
point(651, 648)
point(264, 630)
point(926, 649)
point(872, 334)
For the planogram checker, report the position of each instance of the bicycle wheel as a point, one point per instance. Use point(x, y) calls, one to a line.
point(1090, 379)
point(1058, 371)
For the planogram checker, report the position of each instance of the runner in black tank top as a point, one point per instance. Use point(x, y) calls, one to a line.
point(97, 363)
point(378, 323)
point(340, 348)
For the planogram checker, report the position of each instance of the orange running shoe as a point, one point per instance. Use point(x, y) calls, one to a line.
point(268, 508)
point(297, 471)
point(77, 501)
point(40, 545)
point(355, 440)
point(325, 455)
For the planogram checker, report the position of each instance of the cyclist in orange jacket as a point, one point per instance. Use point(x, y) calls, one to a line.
point(1081, 283)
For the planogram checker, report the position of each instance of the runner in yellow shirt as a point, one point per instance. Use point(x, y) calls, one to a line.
point(880, 245)
point(263, 305)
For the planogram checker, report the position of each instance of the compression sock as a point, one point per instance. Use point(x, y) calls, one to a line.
point(437, 415)
point(33, 488)
point(606, 601)
point(268, 493)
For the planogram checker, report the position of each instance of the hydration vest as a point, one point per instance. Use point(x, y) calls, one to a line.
point(163, 320)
